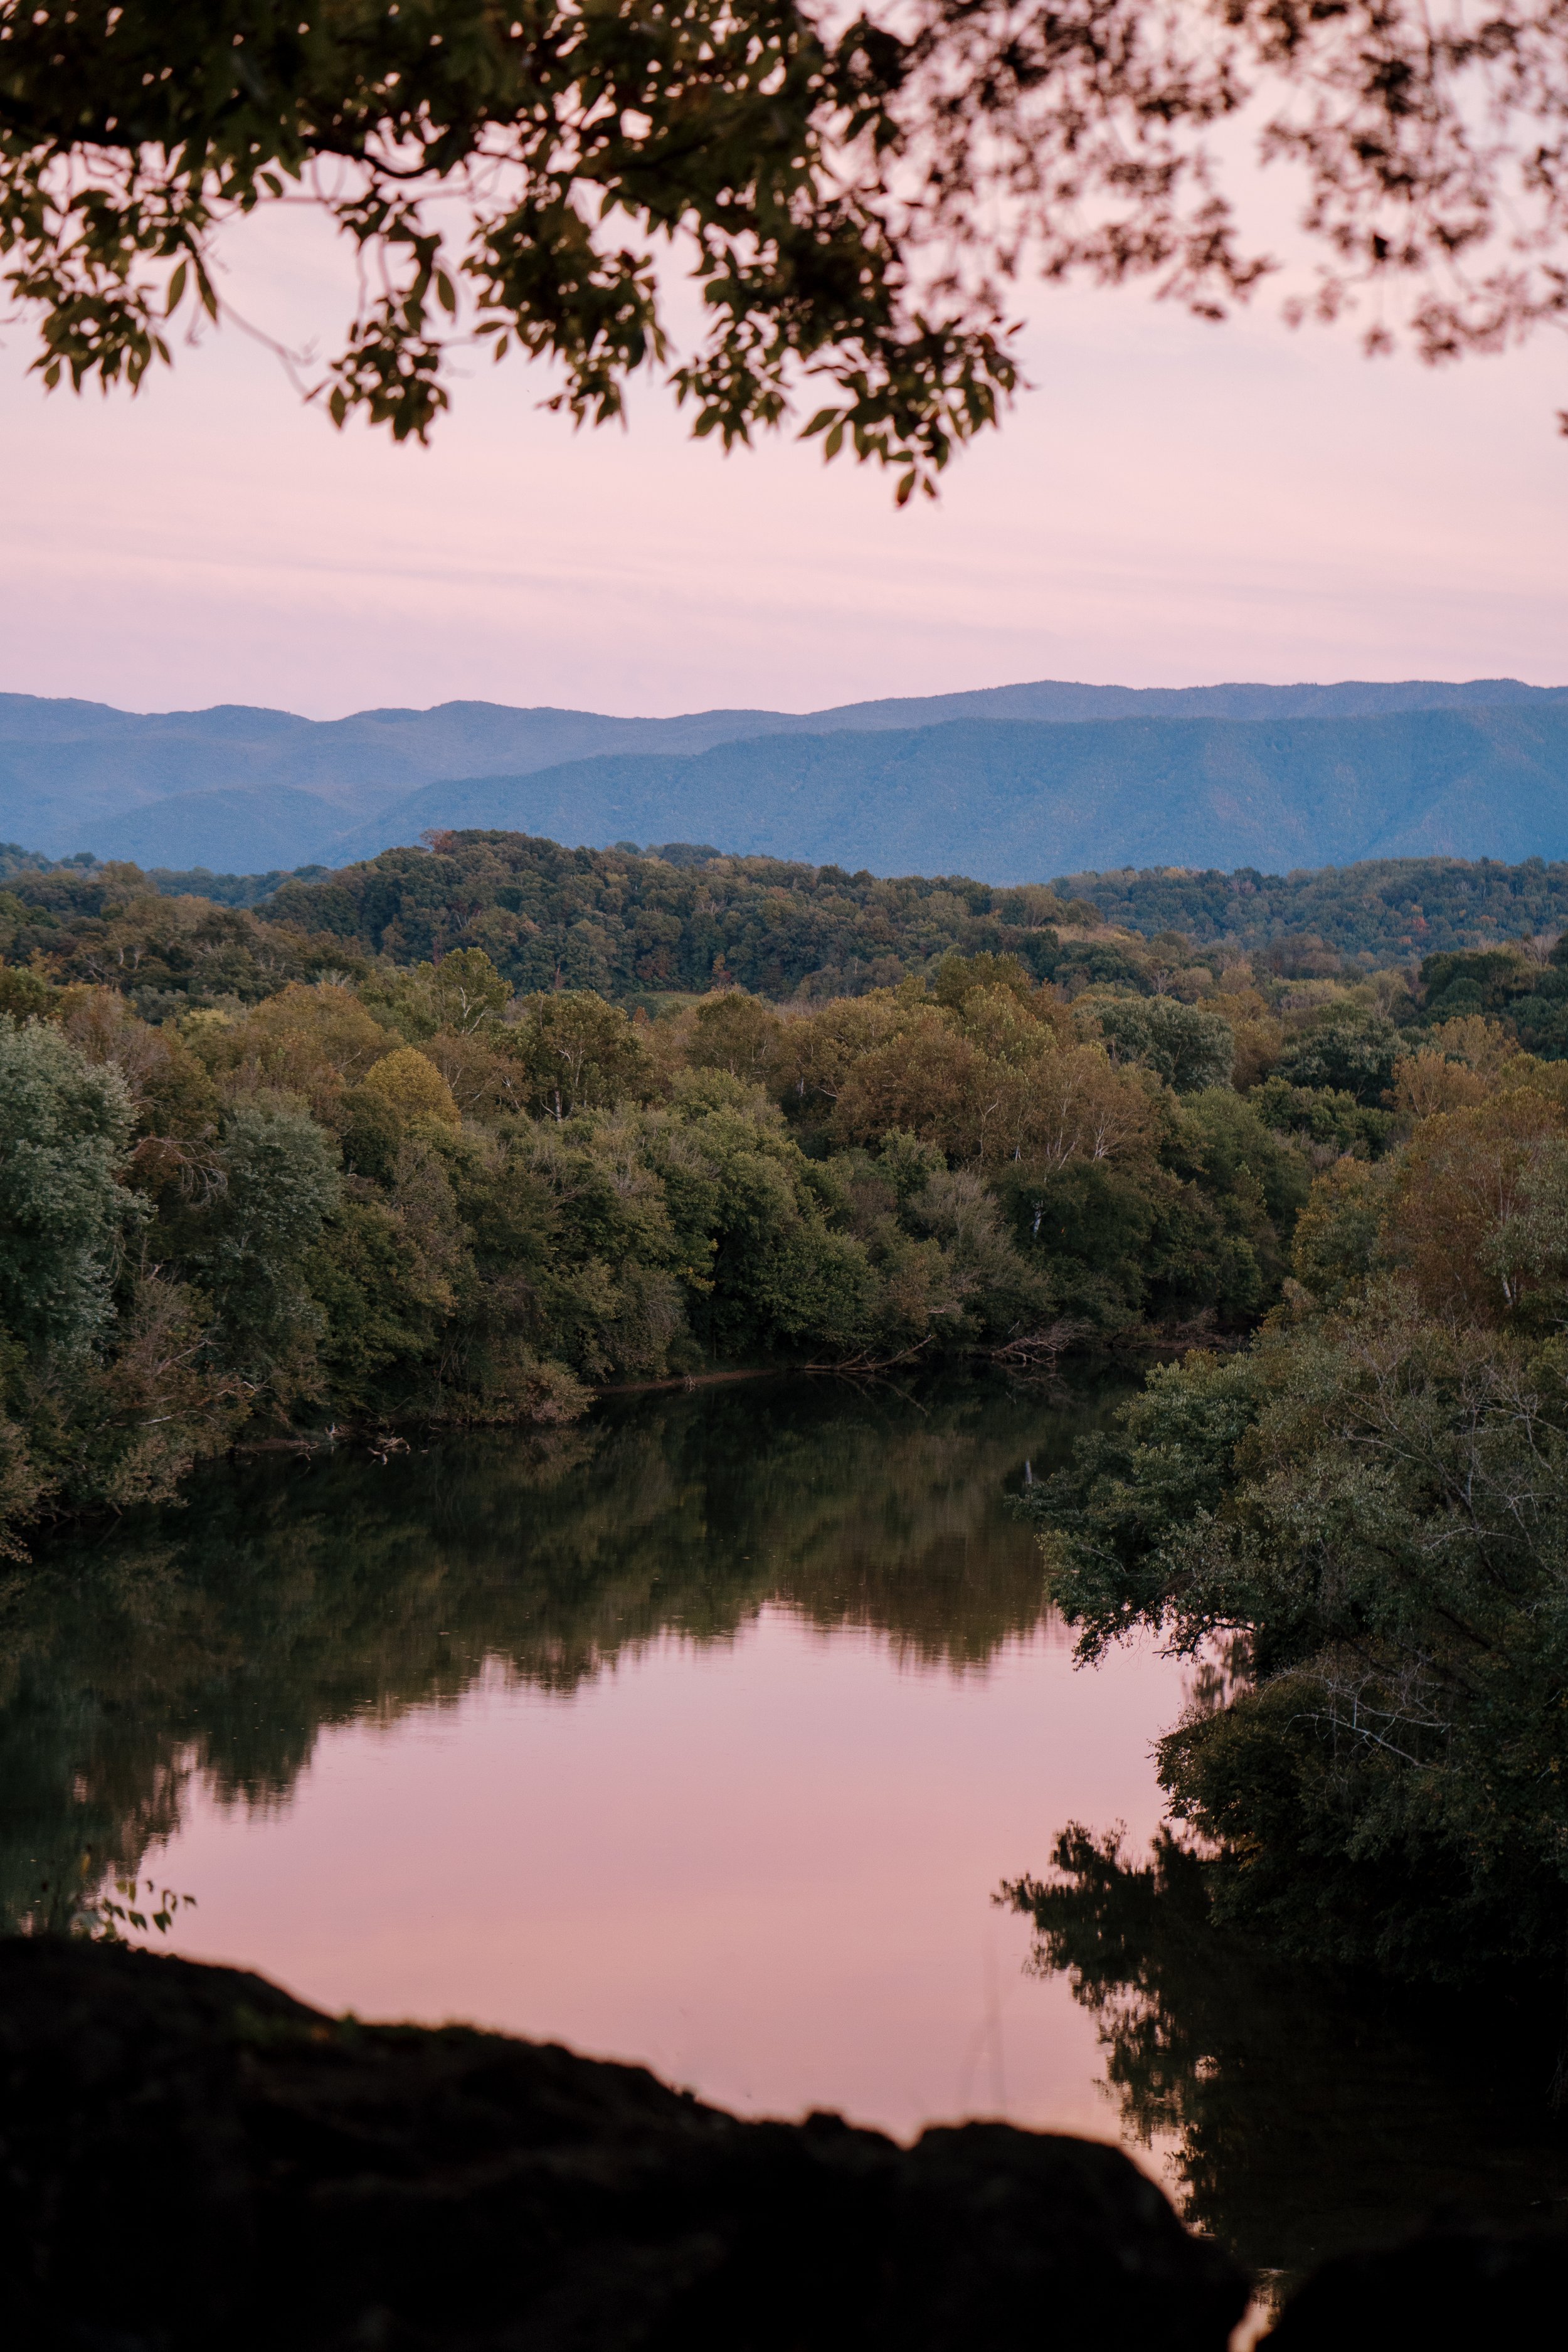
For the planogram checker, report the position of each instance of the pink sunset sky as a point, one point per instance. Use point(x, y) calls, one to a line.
point(1173, 503)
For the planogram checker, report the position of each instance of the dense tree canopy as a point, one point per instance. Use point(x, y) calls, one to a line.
point(853, 197)
point(1381, 908)
point(666, 917)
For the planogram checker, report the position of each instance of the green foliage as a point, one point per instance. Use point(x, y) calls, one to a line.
point(1529, 1000)
point(1374, 1502)
point(65, 1128)
point(371, 1132)
point(463, 992)
point(104, 1916)
point(410, 1087)
point(227, 890)
point(276, 1185)
point(907, 1164)
point(1197, 1222)
point(24, 996)
point(1338, 1234)
point(106, 926)
point(380, 1301)
point(577, 1052)
point(1539, 1019)
point(1324, 1119)
point(1351, 1052)
point(958, 977)
point(105, 1397)
point(1485, 981)
point(629, 926)
point(1189, 1048)
point(1089, 1226)
point(1111, 1520)
point(1223, 1241)
point(734, 1032)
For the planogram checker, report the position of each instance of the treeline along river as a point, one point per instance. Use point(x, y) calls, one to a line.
point(730, 1730)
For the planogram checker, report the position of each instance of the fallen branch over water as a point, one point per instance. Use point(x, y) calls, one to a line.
point(1041, 1350)
point(867, 1367)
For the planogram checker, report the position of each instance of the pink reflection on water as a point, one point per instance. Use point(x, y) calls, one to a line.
point(762, 1867)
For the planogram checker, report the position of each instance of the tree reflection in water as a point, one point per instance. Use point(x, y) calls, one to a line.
point(216, 1642)
point(1307, 2117)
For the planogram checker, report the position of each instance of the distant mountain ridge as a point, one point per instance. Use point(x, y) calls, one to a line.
point(1012, 801)
point(1010, 783)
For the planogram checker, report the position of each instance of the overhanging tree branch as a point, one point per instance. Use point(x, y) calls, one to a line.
point(855, 199)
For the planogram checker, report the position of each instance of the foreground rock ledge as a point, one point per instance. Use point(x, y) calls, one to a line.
point(192, 2158)
point(189, 2157)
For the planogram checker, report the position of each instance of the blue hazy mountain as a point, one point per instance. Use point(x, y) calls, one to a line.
point(1010, 783)
point(1013, 801)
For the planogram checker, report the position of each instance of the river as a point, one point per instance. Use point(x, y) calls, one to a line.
point(721, 1733)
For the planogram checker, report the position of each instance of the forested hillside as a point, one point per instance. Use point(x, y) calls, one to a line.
point(627, 926)
point(679, 915)
point(1385, 907)
point(1385, 910)
point(683, 919)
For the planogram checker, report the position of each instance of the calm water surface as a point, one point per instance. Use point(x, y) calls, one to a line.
point(710, 1735)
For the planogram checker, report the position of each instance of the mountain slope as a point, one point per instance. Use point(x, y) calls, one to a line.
point(234, 832)
point(72, 773)
point(1016, 801)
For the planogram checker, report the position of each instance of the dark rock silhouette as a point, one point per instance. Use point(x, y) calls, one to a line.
point(1453, 2285)
point(191, 2158)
